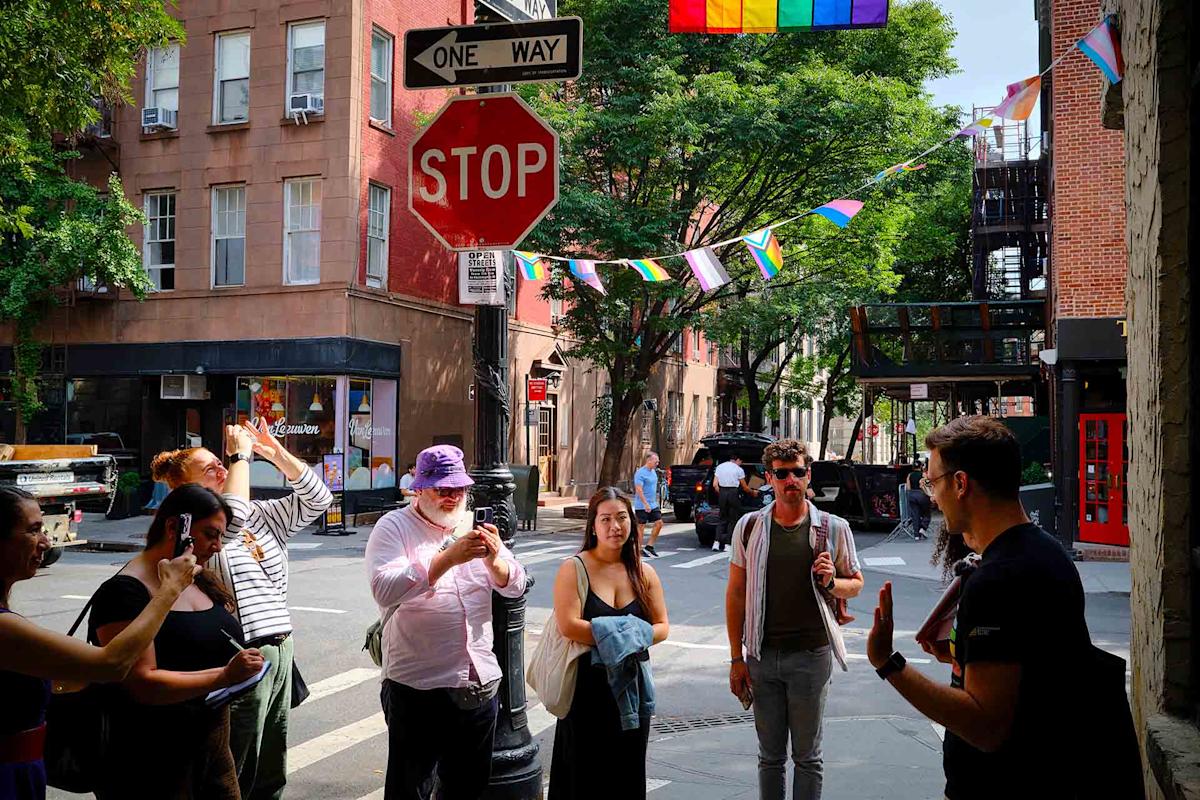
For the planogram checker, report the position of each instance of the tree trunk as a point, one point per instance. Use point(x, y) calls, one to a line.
point(618, 434)
point(828, 401)
point(854, 436)
point(756, 407)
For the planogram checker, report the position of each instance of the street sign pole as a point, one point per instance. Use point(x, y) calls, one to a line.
point(516, 768)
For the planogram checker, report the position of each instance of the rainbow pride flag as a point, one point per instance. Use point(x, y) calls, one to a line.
point(1103, 47)
point(839, 212)
point(771, 16)
point(766, 251)
point(531, 266)
point(1018, 103)
point(650, 271)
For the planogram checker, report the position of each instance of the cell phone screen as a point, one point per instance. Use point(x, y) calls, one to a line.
point(483, 515)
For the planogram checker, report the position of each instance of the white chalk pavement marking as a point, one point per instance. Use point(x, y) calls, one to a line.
point(75, 597)
point(304, 545)
point(329, 744)
point(343, 680)
point(884, 561)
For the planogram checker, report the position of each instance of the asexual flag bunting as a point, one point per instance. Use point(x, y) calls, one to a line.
point(766, 251)
point(1103, 47)
point(707, 268)
point(771, 16)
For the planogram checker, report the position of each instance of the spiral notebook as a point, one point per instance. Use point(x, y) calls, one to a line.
point(220, 697)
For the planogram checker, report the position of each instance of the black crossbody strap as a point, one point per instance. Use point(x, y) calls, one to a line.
point(88, 607)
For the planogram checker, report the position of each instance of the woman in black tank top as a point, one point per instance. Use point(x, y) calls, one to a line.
point(619, 584)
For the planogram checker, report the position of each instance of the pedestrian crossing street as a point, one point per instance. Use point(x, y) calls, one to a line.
point(307, 755)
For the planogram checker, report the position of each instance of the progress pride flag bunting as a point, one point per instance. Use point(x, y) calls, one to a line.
point(771, 16)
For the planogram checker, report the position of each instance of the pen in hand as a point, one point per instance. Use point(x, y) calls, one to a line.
point(233, 641)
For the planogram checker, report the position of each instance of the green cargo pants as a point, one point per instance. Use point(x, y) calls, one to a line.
point(258, 728)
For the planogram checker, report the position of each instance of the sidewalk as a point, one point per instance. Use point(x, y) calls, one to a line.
point(129, 535)
point(911, 559)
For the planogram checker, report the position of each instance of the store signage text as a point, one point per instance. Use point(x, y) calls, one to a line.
point(368, 431)
point(280, 427)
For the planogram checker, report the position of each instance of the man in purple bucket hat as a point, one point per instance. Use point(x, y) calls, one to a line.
point(432, 575)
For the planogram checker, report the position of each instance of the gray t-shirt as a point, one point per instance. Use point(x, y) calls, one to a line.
point(793, 620)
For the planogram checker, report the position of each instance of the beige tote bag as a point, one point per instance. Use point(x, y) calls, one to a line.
point(554, 664)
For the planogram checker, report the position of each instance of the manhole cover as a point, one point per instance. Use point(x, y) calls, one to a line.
point(684, 724)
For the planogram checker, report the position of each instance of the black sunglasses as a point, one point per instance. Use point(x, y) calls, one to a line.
point(783, 472)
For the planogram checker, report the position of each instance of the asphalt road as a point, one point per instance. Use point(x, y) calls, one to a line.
point(702, 745)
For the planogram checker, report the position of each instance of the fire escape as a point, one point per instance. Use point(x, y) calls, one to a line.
point(1009, 215)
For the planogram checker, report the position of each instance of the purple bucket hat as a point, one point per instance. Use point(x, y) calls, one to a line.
point(441, 467)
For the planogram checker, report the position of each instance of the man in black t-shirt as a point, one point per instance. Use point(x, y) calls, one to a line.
point(1019, 634)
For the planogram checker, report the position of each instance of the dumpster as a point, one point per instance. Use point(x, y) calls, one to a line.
point(1038, 500)
point(525, 497)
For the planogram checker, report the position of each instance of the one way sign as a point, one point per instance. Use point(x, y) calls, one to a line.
point(486, 55)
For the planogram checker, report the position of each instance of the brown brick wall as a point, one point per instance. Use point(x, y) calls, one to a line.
point(1087, 203)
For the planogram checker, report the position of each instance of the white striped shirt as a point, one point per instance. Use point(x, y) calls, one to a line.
point(261, 587)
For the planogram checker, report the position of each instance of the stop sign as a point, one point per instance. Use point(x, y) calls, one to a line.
point(483, 172)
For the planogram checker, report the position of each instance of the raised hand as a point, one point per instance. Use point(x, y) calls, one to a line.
point(879, 642)
point(177, 574)
point(264, 443)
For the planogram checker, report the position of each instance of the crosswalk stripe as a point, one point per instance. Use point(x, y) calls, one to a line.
point(329, 744)
point(341, 681)
point(317, 610)
point(699, 562)
point(522, 554)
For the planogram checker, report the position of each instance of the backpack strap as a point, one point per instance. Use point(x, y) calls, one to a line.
point(749, 530)
point(88, 606)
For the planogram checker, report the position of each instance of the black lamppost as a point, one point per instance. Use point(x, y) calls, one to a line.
point(516, 770)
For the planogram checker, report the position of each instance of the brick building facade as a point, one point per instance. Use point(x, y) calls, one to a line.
point(293, 282)
point(1086, 331)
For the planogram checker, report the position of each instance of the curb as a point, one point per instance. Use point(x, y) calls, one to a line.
point(1087, 552)
point(109, 547)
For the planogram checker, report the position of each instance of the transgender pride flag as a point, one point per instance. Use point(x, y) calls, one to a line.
point(1103, 47)
point(586, 272)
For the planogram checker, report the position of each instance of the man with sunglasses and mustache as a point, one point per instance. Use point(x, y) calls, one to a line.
point(791, 562)
point(432, 575)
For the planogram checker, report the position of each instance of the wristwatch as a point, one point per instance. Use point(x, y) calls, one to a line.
point(236, 457)
point(829, 586)
point(895, 663)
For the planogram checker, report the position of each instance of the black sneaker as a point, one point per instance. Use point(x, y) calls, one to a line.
point(650, 548)
point(646, 552)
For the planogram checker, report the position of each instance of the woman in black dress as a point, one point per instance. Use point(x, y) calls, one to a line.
point(32, 657)
point(170, 744)
point(618, 584)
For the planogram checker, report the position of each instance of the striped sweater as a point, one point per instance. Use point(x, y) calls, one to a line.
point(261, 587)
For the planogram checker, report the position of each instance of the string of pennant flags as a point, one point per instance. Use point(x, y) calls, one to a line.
point(1101, 45)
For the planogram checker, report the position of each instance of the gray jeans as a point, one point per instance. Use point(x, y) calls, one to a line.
point(789, 698)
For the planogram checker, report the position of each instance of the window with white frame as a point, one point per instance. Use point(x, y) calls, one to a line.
point(556, 310)
point(162, 77)
point(229, 235)
point(379, 203)
point(231, 86)
point(381, 77)
point(306, 60)
point(302, 231)
point(695, 417)
point(158, 240)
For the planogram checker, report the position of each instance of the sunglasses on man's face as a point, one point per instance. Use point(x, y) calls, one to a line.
point(783, 472)
point(453, 492)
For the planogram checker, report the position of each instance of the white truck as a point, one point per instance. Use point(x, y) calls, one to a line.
point(59, 475)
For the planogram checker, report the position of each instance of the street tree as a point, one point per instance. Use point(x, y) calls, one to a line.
point(59, 61)
point(671, 142)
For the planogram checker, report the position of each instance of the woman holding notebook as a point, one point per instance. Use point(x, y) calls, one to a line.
point(177, 745)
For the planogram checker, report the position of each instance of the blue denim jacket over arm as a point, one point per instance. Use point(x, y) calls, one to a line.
point(622, 648)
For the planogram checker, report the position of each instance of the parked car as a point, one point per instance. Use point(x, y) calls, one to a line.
point(60, 476)
point(108, 443)
point(686, 482)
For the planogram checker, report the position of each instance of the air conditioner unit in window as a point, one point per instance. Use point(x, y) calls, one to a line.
point(556, 320)
point(306, 104)
point(184, 387)
point(158, 118)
